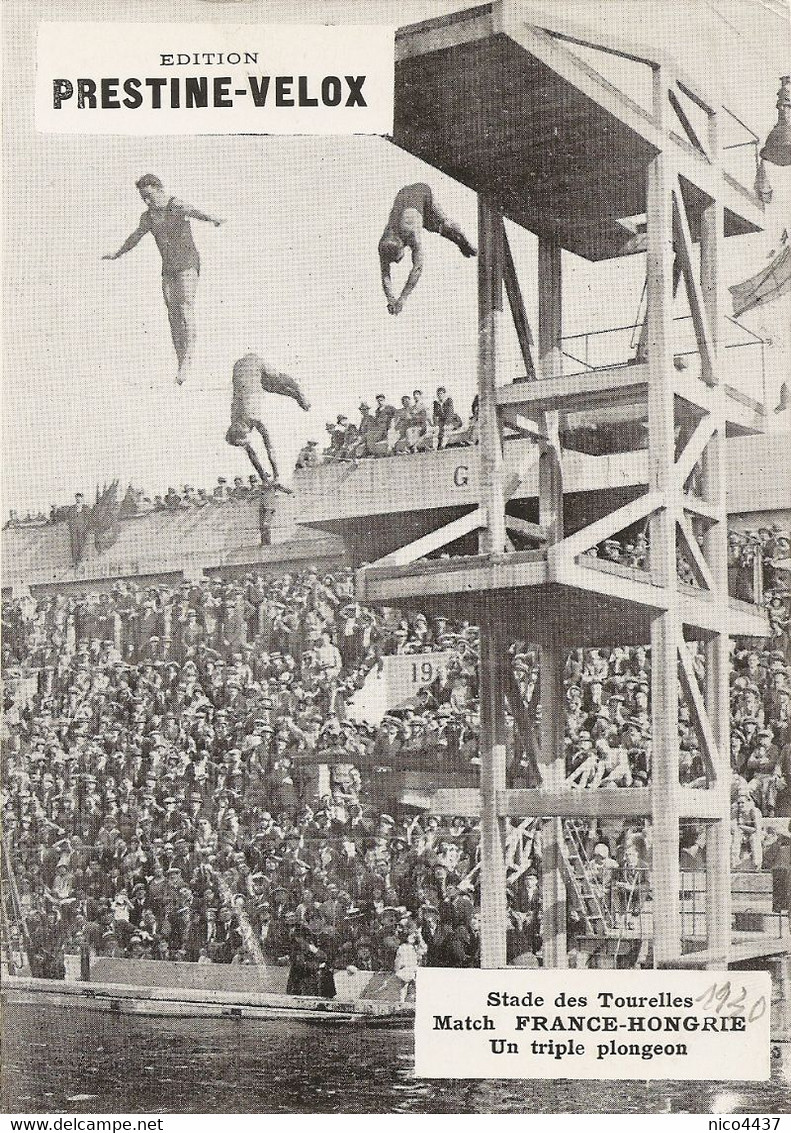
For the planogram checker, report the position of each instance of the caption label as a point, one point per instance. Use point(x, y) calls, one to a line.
point(113, 78)
point(513, 1023)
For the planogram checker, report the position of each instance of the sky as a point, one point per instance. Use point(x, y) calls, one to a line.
point(88, 368)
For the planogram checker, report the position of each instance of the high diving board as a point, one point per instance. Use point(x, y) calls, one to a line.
point(508, 109)
point(539, 603)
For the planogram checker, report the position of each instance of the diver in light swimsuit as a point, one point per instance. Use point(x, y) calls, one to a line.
point(251, 377)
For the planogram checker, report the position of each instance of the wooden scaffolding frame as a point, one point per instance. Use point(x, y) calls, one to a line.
point(684, 182)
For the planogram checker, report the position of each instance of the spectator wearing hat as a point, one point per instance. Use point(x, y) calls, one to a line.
point(367, 431)
point(308, 455)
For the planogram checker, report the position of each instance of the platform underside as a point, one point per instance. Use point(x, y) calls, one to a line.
point(519, 591)
point(473, 102)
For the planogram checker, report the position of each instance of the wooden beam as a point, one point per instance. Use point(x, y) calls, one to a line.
point(649, 55)
point(389, 586)
point(524, 527)
point(585, 575)
point(606, 48)
point(524, 720)
point(690, 88)
point(618, 570)
point(612, 385)
point(700, 721)
point(703, 610)
point(584, 78)
point(666, 628)
point(550, 337)
point(738, 409)
point(524, 431)
point(434, 541)
point(568, 802)
point(697, 306)
point(494, 905)
point(450, 801)
point(705, 805)
point(693, 166)
point(603, 528)
point(552, 765)
point(442, 33)
point(518, 312)
point(683, 118)
point(691, 453)
point(716, 691)
point(491, 235)
point(701, 509)
point(699, 564)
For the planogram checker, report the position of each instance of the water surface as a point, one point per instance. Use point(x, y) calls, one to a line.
point(145, 1065)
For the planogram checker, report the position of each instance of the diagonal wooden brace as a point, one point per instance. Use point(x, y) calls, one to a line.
point(700, 722)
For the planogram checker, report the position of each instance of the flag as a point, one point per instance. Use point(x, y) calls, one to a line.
point(104, 515)
point(772, 282)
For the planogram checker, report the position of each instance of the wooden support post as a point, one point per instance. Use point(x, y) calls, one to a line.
point(518, 312)
point(715, 547)
point(491, 235)
point(553, 774)
point(666, 629)
point(494, 907)
point(550, 519)
point(550, 330)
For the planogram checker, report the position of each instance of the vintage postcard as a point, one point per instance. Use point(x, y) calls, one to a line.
point(396, 559)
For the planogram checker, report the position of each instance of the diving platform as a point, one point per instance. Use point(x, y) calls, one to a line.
point(515, 112)
point(614, 604)
point(508, 109)
point(624, 385)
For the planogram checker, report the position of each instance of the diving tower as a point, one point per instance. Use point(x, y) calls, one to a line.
point(510, 110)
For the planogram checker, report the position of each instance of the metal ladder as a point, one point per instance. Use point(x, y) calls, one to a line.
point(597, 917)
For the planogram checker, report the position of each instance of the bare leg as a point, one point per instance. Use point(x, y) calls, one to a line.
point(169, 292)
point(451, 231)
point(184, 287)
point(189, 285)
point(275, 382)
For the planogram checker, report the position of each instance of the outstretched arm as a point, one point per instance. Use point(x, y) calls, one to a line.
point(196, 214)
point(248, 448)
point(262, 430)
point(130, 242)
point(387, 285)
point(412, 279)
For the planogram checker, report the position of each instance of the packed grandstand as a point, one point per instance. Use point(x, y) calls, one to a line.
point(185, 776)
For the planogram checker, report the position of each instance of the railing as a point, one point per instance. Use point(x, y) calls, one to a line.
point(739, 151)
point(742, 363)
point(752, 906)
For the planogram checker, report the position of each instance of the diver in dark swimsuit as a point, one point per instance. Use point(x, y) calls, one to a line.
point(414, 211)
point(169, 221)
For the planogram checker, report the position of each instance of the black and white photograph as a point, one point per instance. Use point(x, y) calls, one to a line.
point(396, 559)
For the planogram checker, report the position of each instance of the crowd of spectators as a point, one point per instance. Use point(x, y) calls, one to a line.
point(414, 426)
point(386, 431)
point(137, 502)
point(185, 776)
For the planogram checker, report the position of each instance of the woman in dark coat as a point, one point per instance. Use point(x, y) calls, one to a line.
point(306, 963)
